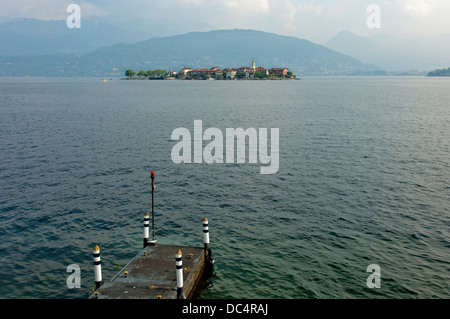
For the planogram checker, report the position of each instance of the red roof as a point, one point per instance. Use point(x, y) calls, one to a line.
point(206, 70)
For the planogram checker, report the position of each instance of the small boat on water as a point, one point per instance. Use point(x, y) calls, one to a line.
point(104, 80)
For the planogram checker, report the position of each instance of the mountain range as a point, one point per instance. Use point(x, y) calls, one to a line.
point(37, 37)
point(32, 47)
point(221, 48)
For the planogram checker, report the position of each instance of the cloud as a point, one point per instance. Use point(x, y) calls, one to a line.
point(89, 9)
point(302, 18)
point(291, 12)
point(195, 2)
point(423, 8)
point(424, 17)
point(46, 9)
point(248, 6)
point(419, 7)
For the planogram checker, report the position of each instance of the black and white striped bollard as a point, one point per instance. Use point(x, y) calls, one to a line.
point(97, 267)
point(208, 254)
point(179, 267)
point(146, 229)
point(206, 233)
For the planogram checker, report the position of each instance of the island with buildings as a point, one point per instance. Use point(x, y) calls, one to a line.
point(214, 73)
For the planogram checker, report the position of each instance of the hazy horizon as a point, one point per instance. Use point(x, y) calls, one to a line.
point(394, 35)
point(317, 21)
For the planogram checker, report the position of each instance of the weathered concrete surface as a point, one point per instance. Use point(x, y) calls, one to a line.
point(151, 273)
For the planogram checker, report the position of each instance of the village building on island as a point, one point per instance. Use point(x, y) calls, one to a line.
point(243, 72)
point(216, 73)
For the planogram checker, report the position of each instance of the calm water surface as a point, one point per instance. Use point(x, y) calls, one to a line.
point(363, 179)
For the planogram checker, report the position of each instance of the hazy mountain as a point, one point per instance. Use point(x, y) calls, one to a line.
point(5, 19)
point(224, 48)
point(35, 37)
point(395, 53)
point(163, 27)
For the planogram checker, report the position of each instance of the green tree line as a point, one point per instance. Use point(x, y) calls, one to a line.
point(440, 72)
point(146, 74)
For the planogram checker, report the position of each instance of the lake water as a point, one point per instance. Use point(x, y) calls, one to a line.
point(363, 179)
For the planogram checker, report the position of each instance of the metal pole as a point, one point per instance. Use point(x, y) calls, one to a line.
point(153, 242)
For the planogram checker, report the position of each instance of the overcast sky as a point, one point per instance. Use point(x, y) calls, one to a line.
point(310, 19)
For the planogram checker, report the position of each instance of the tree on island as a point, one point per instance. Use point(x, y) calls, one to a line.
point(130, 73)
point(142, 73)
point(260, 75)
point(156, 73)
point(440, 72)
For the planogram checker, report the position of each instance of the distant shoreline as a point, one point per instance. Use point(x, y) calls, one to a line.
point(194, 79)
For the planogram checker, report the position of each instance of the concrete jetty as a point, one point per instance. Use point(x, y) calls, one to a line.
point(157, 271)
point(151, 274)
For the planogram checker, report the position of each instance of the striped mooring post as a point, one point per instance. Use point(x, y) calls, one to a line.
point(206, 233)
point(146, 229)
point(97, 267)
point(209, 261)
point(179, 268)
